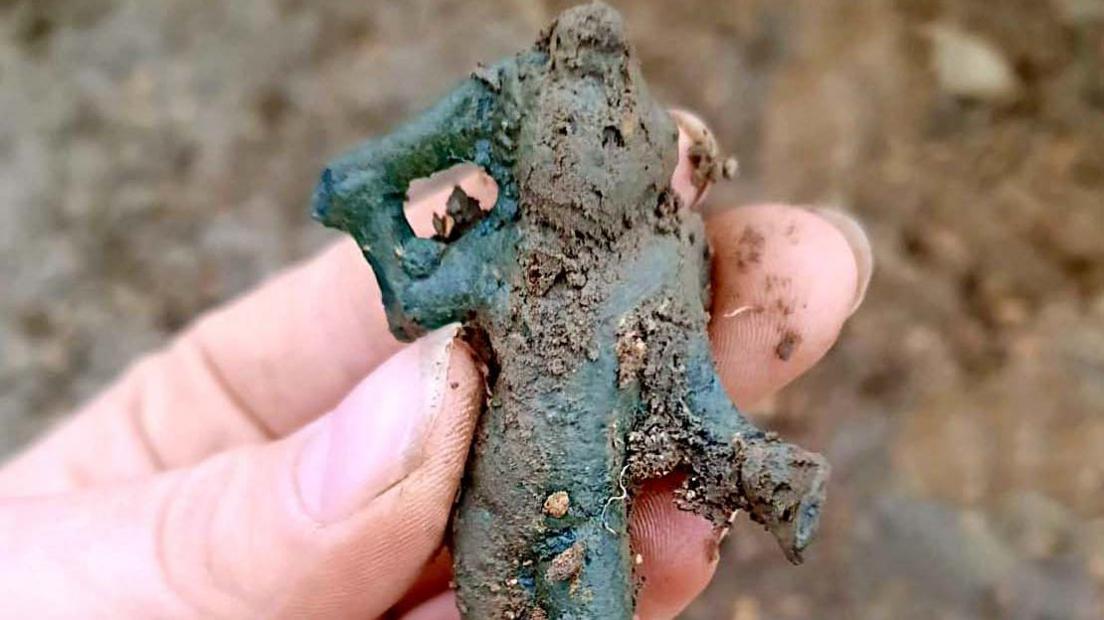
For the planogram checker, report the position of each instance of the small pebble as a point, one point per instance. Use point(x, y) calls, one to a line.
point(557, 504)
point(969, 67)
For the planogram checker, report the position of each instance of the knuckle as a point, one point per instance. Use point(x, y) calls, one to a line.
point(197, 567)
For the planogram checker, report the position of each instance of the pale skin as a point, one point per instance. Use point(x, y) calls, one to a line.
point(285, 456)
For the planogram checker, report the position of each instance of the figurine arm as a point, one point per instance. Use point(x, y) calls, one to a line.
point(425, 283)
point(780, 485)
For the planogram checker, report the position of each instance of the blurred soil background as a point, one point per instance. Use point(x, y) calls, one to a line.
point(156, 157)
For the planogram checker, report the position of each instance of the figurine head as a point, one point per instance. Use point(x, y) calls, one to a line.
point(597, 150)
point(588, 39)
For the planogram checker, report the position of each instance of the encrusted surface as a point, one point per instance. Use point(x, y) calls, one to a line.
point(586, 283)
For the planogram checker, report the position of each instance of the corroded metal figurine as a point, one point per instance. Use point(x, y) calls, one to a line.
point(586, 287)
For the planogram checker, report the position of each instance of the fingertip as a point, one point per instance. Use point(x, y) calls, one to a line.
point(682, 180)
point(785, 280)
point(677, 551)
point(692, 130)
point(852, 230)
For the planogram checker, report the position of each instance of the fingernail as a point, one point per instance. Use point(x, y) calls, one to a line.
point(856, 237)
point(376, 437)
point(692, 124)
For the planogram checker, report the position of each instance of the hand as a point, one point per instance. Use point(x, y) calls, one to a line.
point(285, 456)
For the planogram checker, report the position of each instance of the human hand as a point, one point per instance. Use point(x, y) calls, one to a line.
point(285, 456)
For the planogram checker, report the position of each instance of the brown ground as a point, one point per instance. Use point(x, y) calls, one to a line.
point(156, 158)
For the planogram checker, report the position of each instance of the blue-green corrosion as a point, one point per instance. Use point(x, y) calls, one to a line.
point(586, 289)
point(426, 282)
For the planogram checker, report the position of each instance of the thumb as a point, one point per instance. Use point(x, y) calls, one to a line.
point(336, 520)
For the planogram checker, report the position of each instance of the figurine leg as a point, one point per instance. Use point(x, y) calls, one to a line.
point(691, 425)
point(531, 543)
point(779, 484)
point(577, 571)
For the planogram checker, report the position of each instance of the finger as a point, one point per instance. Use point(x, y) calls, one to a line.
point(334, 521)
point(692, 132)
point(677, 551)
point(440, 607)
point(434, 579)
point(784, 281)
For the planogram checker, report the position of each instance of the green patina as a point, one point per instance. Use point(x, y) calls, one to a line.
point(586, 289)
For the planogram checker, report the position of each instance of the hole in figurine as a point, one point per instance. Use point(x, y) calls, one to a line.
point(446, 204)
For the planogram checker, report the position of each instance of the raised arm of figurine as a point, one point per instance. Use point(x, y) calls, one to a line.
point(427, 283)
